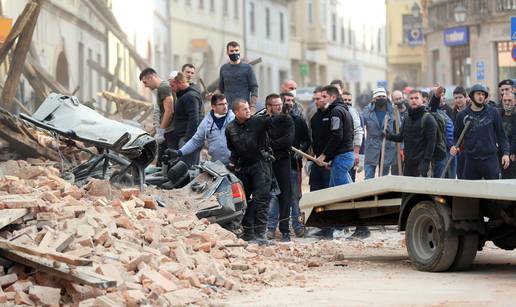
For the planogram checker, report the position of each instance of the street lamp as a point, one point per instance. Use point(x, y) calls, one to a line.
point(416, 10)
point(460, 13)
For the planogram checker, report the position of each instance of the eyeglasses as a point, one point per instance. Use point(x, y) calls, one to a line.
point(221, 104)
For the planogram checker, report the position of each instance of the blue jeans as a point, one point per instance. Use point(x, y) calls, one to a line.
point(370, 171)
point(296, 212)
point(341, 164)
point(439, 167)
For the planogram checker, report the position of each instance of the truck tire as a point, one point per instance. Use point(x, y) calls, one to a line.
point(468, 246)
point(430, 246)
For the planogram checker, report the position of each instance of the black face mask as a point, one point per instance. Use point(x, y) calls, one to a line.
point(234, 57)
point(381, 102)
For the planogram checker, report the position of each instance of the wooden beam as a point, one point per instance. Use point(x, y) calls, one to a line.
point(106, 74)
point(39, 87)
point(18, 103)
point(104, 14)
point(7, 216)
point(19, 57)
point(75, 275)
point(47, 78)
point(17, 29)
point(44, 253)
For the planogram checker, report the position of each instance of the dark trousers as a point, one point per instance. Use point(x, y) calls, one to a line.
point(281, 170)
point(319, 178)
point(257, 181)
point(411, 168)
point(477, 169)
point(460, 165)
point(510, 172)
point(353, 173)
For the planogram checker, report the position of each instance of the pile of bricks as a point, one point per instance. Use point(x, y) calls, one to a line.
point(140, 253)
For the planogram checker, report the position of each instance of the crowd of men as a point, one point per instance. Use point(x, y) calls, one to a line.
point(413, 133)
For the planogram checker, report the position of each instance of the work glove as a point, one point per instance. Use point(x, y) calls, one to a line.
point(173, 154)
point(160, 135)
point(424, 167)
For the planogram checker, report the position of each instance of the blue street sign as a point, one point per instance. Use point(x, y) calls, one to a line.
point(513, 28)
point(456, 36)
point(481, 70)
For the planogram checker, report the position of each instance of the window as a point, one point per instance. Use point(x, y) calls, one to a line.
point(267, 22)
point(310, 12)
point(282, 29)
point(90, 74)
point(235, 7)
point(334, 27)
point(212, 5)
point(225, 7)
point(350, 34)
point(201, 4)
point(251, 17)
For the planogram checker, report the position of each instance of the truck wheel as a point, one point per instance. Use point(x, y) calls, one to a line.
point(430, 246)
point(468, 246)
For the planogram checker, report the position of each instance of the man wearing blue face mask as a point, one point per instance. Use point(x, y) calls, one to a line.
point(237, 79)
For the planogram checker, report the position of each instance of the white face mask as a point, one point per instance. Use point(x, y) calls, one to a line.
point(293, 92)
point(219, 115)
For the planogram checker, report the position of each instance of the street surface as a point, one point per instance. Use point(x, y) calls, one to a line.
point(377, 271)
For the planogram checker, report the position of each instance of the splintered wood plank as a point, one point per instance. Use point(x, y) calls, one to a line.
point(44, 253)
point(7, 216)
point(79, 275)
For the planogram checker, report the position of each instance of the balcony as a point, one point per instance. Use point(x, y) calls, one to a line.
point(441, 14)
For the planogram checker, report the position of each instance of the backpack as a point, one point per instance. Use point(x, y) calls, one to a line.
point(440, 150)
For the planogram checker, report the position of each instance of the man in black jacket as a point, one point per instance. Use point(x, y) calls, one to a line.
point(188, 112)
point(484, 137)
point(419, 135)
point(339, 148)
point(281, 133)
point(302, 142)
point(319, 175)
point(251, 159)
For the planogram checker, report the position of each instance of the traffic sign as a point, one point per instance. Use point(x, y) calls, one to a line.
point(513, 53)
point(481, 70)
point(513, 28)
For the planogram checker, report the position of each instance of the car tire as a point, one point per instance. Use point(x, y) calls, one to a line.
point(430, 245)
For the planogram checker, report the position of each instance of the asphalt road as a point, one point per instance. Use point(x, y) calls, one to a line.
point(378, 272)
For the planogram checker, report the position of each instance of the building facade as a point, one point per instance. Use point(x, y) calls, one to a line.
point(266, 37)
point(67, 35)
point(406, 43)
point(201, 30)
point(470, 42)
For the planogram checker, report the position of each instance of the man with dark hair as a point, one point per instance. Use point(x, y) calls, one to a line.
point(339, 148)
point(358, 129)
point(319, 175)
point(484, 139)
point(237, 79)
point(504, 87)
point(164, 108)
point(281, 132)
point(188, 113)
point(251, 159)
point(211, 129)
point(460, 103)
point(419, 134)
point(508, 114)
point(189, 71)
